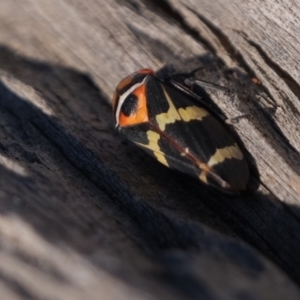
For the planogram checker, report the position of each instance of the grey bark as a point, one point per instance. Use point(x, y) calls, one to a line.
point(84, 214)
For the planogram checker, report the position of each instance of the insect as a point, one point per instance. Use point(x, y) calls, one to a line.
point(170, 122)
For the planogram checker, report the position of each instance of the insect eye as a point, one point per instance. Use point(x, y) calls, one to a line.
point(130, 105)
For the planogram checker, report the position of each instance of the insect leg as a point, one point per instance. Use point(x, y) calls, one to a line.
point(206, 84)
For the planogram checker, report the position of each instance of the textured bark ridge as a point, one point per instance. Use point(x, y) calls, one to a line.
point(84, 214)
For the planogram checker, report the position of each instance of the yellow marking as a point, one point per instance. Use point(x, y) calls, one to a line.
point(153, 138)
point(226, 152)
point(170, 116)
point(203, 177)
point(192, 113)
point(185, 114)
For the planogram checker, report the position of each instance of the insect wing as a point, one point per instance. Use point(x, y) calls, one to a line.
point(191, 139)
point(172, 124)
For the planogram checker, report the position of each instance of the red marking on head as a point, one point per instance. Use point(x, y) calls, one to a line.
point(127, 82)
point(141, 113)
point(145, 71)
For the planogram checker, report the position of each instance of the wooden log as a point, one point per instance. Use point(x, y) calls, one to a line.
point(84, 213)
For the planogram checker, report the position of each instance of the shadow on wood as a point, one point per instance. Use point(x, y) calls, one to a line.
point(80, 186)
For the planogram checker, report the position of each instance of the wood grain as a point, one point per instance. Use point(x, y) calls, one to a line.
point(84, 214)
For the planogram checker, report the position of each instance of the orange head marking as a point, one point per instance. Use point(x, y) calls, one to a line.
point(130, 101)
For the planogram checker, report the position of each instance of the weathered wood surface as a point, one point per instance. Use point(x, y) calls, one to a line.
point(86, 215)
